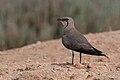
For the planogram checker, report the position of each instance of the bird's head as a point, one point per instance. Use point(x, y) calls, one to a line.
point(66, 21)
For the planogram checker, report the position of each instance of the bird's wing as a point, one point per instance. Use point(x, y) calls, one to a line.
point(77, 36)
point(84, 47)
point(78, 41)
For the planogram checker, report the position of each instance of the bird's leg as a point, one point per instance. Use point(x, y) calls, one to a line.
point(72, 57)
point(80, 57)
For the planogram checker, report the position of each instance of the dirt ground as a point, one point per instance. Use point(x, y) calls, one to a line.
point(50, 60)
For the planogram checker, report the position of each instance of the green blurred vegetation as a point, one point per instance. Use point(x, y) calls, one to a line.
point(24, 22)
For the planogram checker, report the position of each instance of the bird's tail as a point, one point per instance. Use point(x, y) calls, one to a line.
point(100, 53)
point(105, 56)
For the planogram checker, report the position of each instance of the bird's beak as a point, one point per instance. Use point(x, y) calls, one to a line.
point(59, 20)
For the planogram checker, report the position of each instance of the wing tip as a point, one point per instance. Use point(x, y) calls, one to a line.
point(105, 56)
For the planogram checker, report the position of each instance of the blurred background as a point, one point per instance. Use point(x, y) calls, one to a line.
point(24, 22)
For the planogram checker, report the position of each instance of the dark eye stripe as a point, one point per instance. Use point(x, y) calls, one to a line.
point(65, 19)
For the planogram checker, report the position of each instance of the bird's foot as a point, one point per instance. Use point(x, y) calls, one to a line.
point(78, 65)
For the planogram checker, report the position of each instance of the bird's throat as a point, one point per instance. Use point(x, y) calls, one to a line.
point(66, 25)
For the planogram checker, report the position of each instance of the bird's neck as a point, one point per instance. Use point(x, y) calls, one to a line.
point(68, 25)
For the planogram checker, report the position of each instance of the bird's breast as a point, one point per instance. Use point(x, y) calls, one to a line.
point(66, 42)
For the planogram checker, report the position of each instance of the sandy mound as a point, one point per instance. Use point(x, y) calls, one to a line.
point(51, 61)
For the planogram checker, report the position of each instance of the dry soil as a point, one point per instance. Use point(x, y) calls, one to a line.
point(50, 60)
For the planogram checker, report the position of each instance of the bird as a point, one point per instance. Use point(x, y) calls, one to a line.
point(73, 40)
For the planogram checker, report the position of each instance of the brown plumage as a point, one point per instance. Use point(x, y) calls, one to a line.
point(72, 39)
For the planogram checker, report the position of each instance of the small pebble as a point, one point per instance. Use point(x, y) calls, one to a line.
point(56, 68)
point(118, 68)
point(69, 69)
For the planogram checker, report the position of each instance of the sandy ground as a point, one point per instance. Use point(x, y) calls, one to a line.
point(50, 60)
